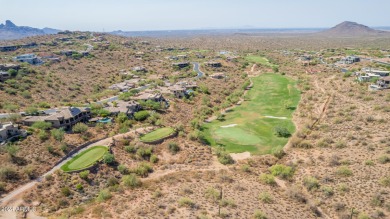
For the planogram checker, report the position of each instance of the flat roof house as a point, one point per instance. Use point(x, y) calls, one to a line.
point(63, 118)
point(139, 69)
point(123, 86)
point(384, 82)
point(4, 76)
point(145, 96)
point(127, 107)
point(8, 130)
point(213, 64)
point(181, 64)
point(29, 58)
point(6, 67)
point(219, 75)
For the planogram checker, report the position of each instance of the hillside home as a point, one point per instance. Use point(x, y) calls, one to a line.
point(182, 56)
point(29, 58)
point(139, 69)
point(120, 106)
point(123, 86)
point(384, 82)
point(62, 118)
point(213, 64)
point(145, 96)
point(350, 59)
point(219, 75)
point(8, 48)
point(8, 130)
point(367, 77)
point(376, 72)
point(181, 64)
point(6, 67)
point(4, 76)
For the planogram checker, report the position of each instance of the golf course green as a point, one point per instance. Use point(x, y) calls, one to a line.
point(251, 126)
point(85, 159)
point(259, 60)
point(157, 134)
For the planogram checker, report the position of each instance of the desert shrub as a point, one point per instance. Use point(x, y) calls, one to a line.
point(281, 170)
point(297, 194)
point(130, 149)
point(279, 153)
point(369, 163)
point(343, 187)
point(186, 202)
point(227, 203)
point(344, 171)
point(66, 191)
point(385, 181)
point(84, 174)
point(311, 183)
point(259, 215)
point(104, 195)
point(122, 169)
point(384, 159)
point(153, 158)
point(131, 181)
point(267, 179)
point(141, 115)
point(79, 187)
point(340, 144)
point(173, 147)
point(363, 216)
point(245, 168)
point(58, 134)
point(8, 173)
point(41, 125)
point(42, 135)
point(80, 128)
point(212, 194)
point(265, 197)
point(225, 158)
point(112, 181)
point(295, 141)
point(108, 158)
point(143, 169)
point(144, 153)
point(305, 144)
point(327, 190)
point(282, 132)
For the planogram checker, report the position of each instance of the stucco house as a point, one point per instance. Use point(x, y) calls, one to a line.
point(8, 130)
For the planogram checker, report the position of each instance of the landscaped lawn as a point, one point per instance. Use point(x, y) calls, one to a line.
point(85, 159)
point(250, 126)
point(259, 60)
point(157, 134)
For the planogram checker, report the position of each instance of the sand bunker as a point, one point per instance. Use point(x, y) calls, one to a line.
point(228, 126)
point(274, 117)
point(240, 156)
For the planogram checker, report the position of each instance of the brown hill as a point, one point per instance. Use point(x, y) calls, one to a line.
point(348, 28)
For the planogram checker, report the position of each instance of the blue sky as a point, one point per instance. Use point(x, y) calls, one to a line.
point(96, 15)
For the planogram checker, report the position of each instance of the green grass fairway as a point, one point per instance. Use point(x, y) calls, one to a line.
point(157, 134)
point(254, 132)
point(259, 60)
point(85, 159)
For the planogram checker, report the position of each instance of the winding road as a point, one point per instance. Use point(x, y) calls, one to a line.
point(105, 142)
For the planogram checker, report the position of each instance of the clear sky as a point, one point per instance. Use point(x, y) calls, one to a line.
point(96, 15)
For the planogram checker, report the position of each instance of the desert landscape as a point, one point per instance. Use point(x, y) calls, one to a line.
point(210, 125)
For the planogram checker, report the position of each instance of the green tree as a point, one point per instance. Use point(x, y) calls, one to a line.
point(108, 158)
point(58, 134)
point(141, 115)
point(41, 125)
point(80, 128)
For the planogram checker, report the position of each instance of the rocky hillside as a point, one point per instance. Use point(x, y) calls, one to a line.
point(348, 28)
point(10, 31)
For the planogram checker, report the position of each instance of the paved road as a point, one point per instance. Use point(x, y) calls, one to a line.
point(197, 70)
point(105, 142)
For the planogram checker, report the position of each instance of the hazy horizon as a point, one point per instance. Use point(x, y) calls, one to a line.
point(154, 15)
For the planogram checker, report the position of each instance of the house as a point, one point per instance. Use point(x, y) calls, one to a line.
point(145, 96)
point(213, 64)
point(123, 86)
point(218, 75)
point(29, 58)
point(4, 76)
point(181, 64)
point(182, 56)
point(8, 130)
point(350, 59)
point(200, 56)
point(377, 72)
point(139, 55)
point(120, 106)
point(177, 90)
point(6, 67)
point(62, 118)
point(232, 58)
point(139, 69)
point(384, 82)
point(172, 57)
point(67, 52)
point(8, 48)
point(367, 77)
point(50, 57)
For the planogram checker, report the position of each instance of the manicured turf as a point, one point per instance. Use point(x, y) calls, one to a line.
point(157, 134)
point(259, 60)
point(85, 159)
point(270, 95)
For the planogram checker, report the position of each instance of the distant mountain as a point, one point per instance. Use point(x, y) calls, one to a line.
point(348, 28)
point(9, 31)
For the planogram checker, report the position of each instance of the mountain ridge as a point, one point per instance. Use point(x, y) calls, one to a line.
point(10, 31)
